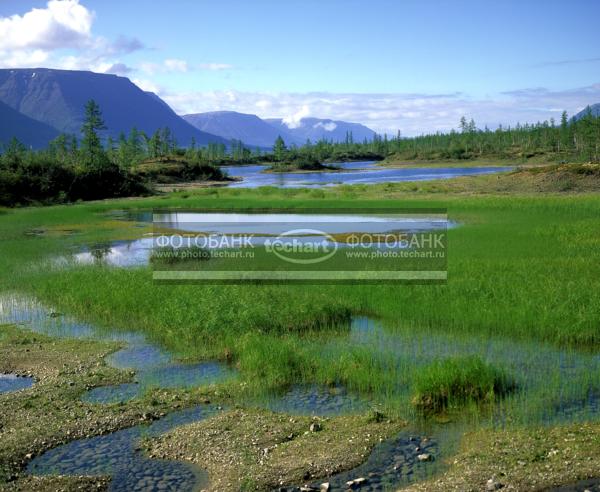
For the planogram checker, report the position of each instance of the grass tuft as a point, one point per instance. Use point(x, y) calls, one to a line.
point(457, 380)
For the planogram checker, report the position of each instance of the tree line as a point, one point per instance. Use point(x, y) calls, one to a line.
point(88, 168)
point(570, 140)
point(72, 168)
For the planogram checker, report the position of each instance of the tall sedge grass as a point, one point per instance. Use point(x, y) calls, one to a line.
point(457, 380)
point(520, 268)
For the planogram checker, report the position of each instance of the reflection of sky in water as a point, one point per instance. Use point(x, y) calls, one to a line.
point(223, 227)
point(231, 223)
point(12, 382)
point(354, 173)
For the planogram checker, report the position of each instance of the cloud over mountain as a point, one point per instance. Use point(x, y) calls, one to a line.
point(412, 113)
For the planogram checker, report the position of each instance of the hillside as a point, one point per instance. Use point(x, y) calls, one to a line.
point(28, 131)
point(315, 129)
point(248, 128)
point(594, 108)
point(57, 98)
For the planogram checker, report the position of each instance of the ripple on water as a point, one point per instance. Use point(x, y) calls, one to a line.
point(591, 485)
point(354, 173)
point(392, 463)
point(119, 393)
point(552, 382)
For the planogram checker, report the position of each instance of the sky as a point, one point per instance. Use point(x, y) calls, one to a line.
point(411, 65)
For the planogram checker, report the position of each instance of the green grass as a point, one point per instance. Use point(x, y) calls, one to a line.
point(457, 380)
point(184, 255)
point(521, 267)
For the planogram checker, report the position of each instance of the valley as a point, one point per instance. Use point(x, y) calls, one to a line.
point(307, 246)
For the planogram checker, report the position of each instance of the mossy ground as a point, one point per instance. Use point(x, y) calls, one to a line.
point(51, 413)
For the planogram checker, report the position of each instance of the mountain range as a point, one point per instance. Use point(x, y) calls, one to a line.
point(25, 129)
point(37, 104)
point(57, 98)
point(252, 130)
point(315, 129)
point(248, 128)
point(594, 108)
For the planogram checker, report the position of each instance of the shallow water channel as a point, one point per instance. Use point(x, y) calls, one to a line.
point(555, 386)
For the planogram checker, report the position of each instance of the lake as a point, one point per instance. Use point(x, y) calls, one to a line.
point(366, 172)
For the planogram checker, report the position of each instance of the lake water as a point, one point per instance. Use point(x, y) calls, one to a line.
point(258, 227)
point(367, 172)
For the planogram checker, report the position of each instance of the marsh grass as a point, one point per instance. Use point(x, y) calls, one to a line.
point(520, 267)
point(169, 255)
point(454, 381)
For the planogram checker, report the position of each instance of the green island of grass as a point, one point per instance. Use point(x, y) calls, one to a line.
point(300, 165)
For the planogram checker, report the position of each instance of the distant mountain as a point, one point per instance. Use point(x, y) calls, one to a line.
point(28, 131)
point(248, 128)
point(57, 98)
point(595, 109)
point(316, 129)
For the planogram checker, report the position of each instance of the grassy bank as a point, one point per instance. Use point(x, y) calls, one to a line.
point(396, 161)
point(558, 179)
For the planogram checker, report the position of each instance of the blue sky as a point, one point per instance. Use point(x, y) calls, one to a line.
point(416, 65)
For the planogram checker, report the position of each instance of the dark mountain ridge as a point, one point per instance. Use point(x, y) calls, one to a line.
point(248, 128)
point(28, 131)
point(57, 98)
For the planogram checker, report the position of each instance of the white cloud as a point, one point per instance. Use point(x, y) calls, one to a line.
point(295, 120)
point(59, 36)
point(62, 24)
point(23, 58)
point(119, 69)
point(263, 104)
point(167, 66)
point(413, 114)
point(215, 67)
point(147, 85)
point(171, 65)
point(175, 65)
point(328, 127)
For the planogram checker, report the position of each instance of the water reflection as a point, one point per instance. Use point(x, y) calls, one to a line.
point(231, 229)
point(14, 382)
